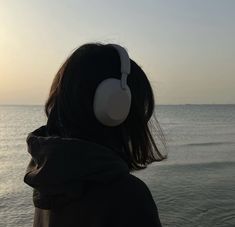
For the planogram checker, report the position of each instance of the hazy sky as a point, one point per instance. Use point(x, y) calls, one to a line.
point(186, 47)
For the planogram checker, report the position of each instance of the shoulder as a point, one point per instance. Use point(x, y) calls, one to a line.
point(134, 199)
point(134, 189)
point(135, 184)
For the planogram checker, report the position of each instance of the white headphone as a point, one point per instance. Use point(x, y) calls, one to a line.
point(112, 99)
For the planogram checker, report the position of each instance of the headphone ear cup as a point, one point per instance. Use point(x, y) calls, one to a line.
point(111, 102)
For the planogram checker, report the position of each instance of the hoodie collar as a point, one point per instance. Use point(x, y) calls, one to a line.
point(61, 165)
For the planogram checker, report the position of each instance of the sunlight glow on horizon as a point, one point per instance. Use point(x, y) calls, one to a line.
point(186, 48)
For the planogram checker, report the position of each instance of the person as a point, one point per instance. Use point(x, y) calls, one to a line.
point(97, 132)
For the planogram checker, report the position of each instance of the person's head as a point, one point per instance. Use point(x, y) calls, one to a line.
point(69, 107)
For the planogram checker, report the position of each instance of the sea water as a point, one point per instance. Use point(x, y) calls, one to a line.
point(194, 186)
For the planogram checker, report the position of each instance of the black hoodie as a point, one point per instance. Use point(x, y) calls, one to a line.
point(79, 183)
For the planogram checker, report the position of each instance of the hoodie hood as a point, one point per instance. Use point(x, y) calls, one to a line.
point(62, 168)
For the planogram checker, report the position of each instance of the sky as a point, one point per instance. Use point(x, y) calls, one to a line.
point(186, 47)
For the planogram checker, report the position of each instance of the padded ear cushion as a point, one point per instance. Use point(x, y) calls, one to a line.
point(111, 102)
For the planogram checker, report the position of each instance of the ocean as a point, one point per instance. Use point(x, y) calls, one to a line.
point(193, 187)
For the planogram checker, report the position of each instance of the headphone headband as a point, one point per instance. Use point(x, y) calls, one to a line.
point(125, 64)
point(124, 57)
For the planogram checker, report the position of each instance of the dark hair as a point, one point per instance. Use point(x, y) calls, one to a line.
point(69, 107)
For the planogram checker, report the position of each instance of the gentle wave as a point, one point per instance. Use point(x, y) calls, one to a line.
point(209, 143)
point(190, 195)
point(192, 165)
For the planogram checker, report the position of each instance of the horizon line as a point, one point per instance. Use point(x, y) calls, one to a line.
point(162, 104)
